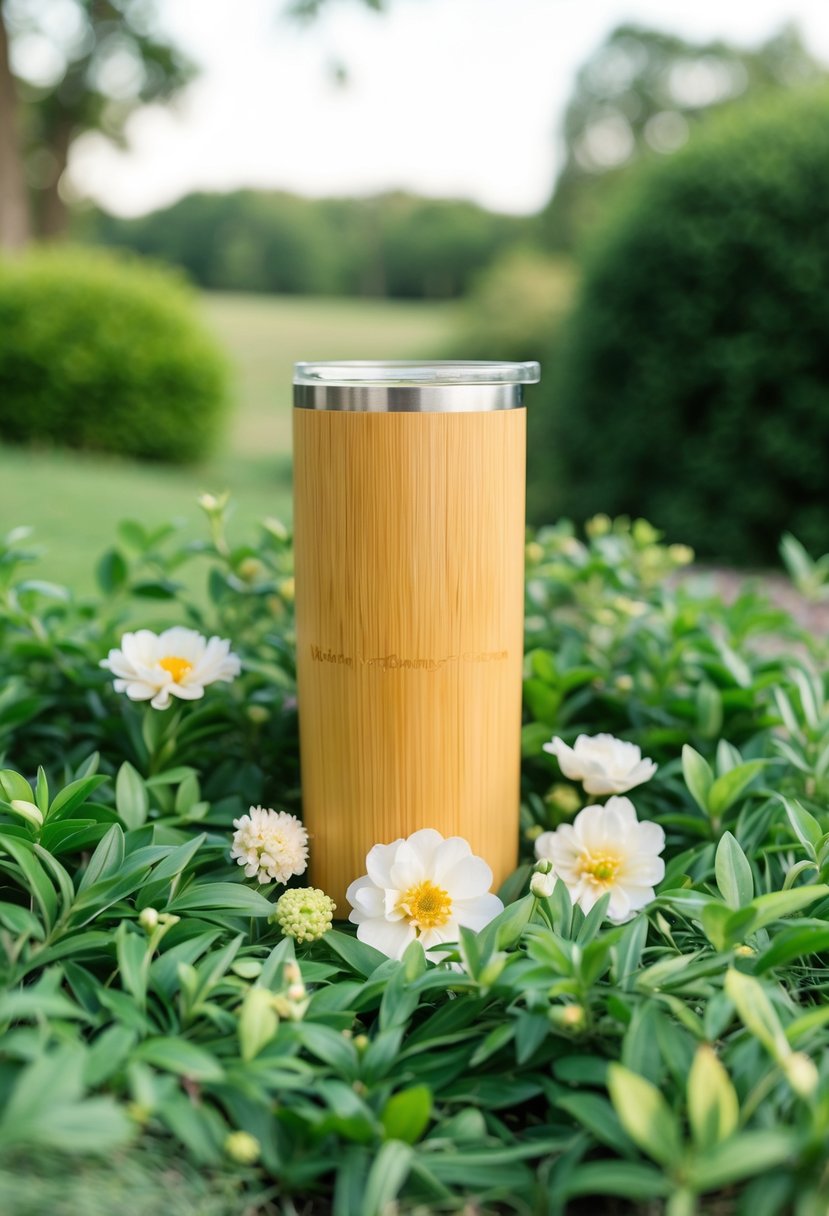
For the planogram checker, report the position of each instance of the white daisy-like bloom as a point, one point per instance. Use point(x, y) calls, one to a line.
point(424, 887)
point(606, 848)
point(603, 763)
point(271, 845)
point(176, 663)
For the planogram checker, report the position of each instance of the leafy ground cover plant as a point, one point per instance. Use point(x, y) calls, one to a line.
point(158, 1007)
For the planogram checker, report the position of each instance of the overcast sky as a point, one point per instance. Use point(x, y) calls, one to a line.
point(457, 98)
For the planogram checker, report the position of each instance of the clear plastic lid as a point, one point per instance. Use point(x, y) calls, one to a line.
point(400, 373)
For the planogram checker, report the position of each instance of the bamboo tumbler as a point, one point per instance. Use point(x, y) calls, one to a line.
point(409, 553)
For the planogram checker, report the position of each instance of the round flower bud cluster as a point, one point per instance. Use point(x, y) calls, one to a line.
point(242, 1147)
point(304, 913)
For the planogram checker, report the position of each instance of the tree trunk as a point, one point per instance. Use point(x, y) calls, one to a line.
point(53, 215)
point(14, 202)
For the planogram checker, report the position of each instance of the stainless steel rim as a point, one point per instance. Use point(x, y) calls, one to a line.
point(409, 398)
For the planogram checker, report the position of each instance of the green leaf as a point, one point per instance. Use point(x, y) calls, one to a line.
point(645, 1115)
point(727, 789)
point(492, 1042)
point(111, 572)
point(698, 776)
point(107, 858)
point(503, 932)
point(181, 1057)
point(627, 1179)
point(178, 859)
point(36, 879)
point(805, 827)
point(779, 904)
point(388, 1172)
point(756, 1012)
point(133, 961)
point(222, 897)
point(727, 757)
point(713, 1108)
point(709, 710)
point(598, 1116)
point(329, 1046)
point(627, 953)
point(399, 1001)
point(360, 958)
point(792, 944)
point(406, 1114)
point(74, 795)
point(742, 1157)
point(258, 1022)
point(13, 786)
point(42, 791)
point(131, 798)
point(20, 920)
point(725, 928)
point(733, 872)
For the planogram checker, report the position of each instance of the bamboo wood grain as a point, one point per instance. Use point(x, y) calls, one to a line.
point(409, 550)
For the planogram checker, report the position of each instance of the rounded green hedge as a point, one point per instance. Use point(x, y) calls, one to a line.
point(693, 384)
point(106, 354)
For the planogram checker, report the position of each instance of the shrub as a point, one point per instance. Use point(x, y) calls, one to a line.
point(150, 1005)
point(694, 375)
point(106, 354)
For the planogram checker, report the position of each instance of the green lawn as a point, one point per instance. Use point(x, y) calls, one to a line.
point(73, 501)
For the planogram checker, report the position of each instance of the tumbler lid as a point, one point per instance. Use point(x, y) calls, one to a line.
point(417, 386)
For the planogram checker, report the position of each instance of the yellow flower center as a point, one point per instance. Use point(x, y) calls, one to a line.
point(601, 868)
point(178, 668)
point(426, 905)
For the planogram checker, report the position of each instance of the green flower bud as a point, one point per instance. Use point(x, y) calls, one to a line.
point(682, 555)
point(243, 1147)
point(250, 569)
point(564, 798)
point(599, 525)
point(542, 885)
point(148, 920)
point(304, 913)
point(27, 810)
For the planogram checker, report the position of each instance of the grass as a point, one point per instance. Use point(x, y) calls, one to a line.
point(73, 500)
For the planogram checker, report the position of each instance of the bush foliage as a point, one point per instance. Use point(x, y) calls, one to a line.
point(394, 244)
point(693, 376)
point(679, 1056)
point(105, 354)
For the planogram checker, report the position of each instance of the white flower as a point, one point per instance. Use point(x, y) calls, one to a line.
point(423, 887)
point(603, 763)
point(176, 663)
point(271, 845)
point(606, 848)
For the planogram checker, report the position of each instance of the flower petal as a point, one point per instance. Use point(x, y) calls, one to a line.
point(389, 937)
point(469, 878)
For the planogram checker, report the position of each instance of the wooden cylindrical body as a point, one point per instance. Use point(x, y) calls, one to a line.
point(409, 550)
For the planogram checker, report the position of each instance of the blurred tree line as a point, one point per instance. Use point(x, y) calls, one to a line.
point(394, 244)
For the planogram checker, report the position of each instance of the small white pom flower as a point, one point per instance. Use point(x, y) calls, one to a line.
point(423, 887)
point(603, 763)
point(606, 848)
point(271, 845)
point(176, 663)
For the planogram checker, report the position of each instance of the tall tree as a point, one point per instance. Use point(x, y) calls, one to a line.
point(641, 93)
point(65, 69)
point(14, 205)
